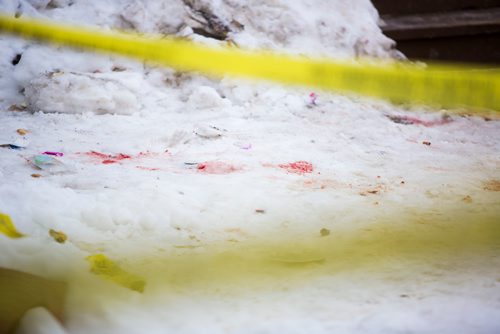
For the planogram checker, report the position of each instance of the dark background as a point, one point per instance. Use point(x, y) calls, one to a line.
point(448, 30)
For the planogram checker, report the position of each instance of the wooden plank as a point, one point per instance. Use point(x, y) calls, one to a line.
point(486, 21)
point(483, 49)
point(410, 7)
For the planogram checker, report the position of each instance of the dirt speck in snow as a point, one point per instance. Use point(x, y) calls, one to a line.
point(492, 185)
point(467, 199)
point(58, 236)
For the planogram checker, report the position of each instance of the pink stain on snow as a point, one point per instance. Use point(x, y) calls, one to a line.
point(298, 167)
point(107, 158)
point(216, 167)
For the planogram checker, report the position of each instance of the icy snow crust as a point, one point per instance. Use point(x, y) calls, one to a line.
point(191, 162)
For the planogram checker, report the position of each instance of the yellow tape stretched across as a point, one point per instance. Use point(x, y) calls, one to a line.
point(7, 227)
point(437, 85)
point(102, 266)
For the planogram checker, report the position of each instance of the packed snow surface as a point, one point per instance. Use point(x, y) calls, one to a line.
point(246, 207)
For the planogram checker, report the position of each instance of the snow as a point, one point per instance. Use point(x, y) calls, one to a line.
point(36, 316)
point(89, 92)
point(190, 183)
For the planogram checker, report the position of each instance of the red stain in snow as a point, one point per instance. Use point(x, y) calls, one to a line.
point(108, 158)
point(216, 167)
point(298, 167)
point(96, 154)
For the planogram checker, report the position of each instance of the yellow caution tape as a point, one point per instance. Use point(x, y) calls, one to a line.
point(107, 269)
point(436, 85)
point(7, 227)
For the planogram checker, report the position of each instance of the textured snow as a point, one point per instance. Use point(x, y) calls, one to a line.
point(366, 169)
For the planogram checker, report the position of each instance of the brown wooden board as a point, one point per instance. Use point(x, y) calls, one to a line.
point(410, 7)
point(485, 21)
point(470, 49)
point(444, 30)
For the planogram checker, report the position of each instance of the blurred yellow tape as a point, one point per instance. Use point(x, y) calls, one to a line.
point(436, 85)
point(7, 227)
point(101, 265)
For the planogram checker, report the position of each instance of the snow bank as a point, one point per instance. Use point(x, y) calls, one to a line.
point(79, 93)
point(329, 28)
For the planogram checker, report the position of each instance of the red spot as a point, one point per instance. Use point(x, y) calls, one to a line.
point(108, 158)
point(97, 154)
point(121, 156)
point(298, 167)
point(216, 167)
